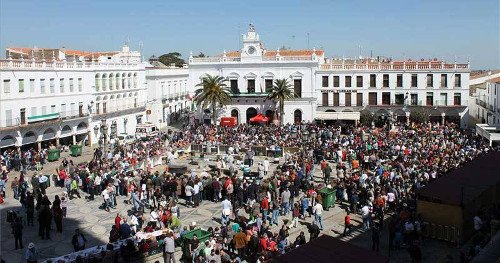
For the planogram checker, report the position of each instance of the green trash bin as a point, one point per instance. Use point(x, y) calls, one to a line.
point(201, 234)
point(76, 150)
point(54, 155)
point(328, 197)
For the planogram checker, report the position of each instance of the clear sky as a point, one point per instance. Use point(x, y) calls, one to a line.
point(415, 29)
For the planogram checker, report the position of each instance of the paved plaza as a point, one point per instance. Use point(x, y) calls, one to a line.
point(96, 223)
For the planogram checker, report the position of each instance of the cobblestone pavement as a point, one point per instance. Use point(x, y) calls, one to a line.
point(96, 223)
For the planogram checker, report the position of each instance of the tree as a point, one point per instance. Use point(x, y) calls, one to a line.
point(419, 115)
point(280, 92)
point(172, 57)
point(212, 94)
point(366, 118)
point(201, 55)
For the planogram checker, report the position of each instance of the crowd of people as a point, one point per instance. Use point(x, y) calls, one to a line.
point(374, 172)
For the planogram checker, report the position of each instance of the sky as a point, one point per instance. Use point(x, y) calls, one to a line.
point(458, 30)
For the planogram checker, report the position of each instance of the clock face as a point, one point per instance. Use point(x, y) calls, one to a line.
point(251, 50)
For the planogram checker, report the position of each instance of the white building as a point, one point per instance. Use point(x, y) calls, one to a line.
point(168, 97)
point(393, 87)
point(250, 73)
point(486, 105)
point(335, 89)
point(53, 96)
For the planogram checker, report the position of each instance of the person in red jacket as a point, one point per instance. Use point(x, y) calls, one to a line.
point(264, 205)
point(118, 221)
point(347, 224)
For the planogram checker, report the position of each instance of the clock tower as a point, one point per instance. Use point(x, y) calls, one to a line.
point(252, 47)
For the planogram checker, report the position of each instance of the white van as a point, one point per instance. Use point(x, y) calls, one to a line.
point(146, 130)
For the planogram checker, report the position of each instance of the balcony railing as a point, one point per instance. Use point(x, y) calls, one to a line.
point(176, 95)
point(394, 66)
point(62, 65)
point(118, 108)
point(62, 115)
point(264, 58)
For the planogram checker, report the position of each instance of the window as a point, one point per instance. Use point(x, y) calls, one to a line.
point(33, 111)
point(458, 80)
point(359, 99)
point(399, 80)
point(336, 99)
point(32, 85)
point(348, 81)
point(444, 81)
point(52, 86)
point(44, 110)
point(22, 116)
point(399, 99)
point(251, 86)
point(21, 85)
point(325, 81)
point(80, 85)
point(71, 88)
point(8, 118)
point(268, 85)
point(373, 80)
point(414, 82)
point(385, 80)
point(61, 85)
point(457, 99)
point(430, 81)
point(52, 108)
point(234, 86)
point(42, 86)
point(386, 98)
point(429, 99)
point(6, 86)
point(63, 110)
point(324, 99)
point(336, 81)
point(297, 88)
point(414, 99)
point(444, 99)
point(359, 81)
point(372, 98)
point(348, 99)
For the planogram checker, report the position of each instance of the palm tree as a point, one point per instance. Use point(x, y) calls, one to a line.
point(279, 93)
point(212, 94)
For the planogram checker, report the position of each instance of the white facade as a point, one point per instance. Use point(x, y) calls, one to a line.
point(486, 106)
point(168, 96)
point(253, 68)
point(46, 102)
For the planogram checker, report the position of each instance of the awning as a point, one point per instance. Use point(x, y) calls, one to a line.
point(259, 118)
point(348, 116)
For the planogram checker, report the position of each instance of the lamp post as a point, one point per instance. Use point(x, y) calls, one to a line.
point(389, 118)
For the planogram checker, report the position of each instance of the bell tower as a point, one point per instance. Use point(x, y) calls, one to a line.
point(252, 47)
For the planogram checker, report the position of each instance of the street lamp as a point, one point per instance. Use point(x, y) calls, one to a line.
point(294, 133)
point(305, 139)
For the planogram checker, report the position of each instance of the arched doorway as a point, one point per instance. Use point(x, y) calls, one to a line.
point(251, 112)
point(7, 141)
point(270, 115)
point(236, 114)
point(297, 116)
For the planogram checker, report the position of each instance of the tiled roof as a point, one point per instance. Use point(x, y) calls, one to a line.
point(483, 74)
point(494, 80)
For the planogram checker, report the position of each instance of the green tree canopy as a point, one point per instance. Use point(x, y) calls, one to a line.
point(280, 92)
point(172, 57)
point(212, 94)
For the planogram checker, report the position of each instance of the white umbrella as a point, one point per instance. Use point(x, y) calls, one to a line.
point(42, 179)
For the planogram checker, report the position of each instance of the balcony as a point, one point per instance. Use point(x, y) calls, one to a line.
point(410, 65)
point(249, 94)
point(175, 96)
point(63, 65)
point(118, 110)
point(43, 119)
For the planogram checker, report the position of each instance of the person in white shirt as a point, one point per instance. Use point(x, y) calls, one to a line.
point(196, 194)
point(266, 166)
point(134, 221)
point(227, 207)
point(189, 194)
point(365, 215)
point(318, 215)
